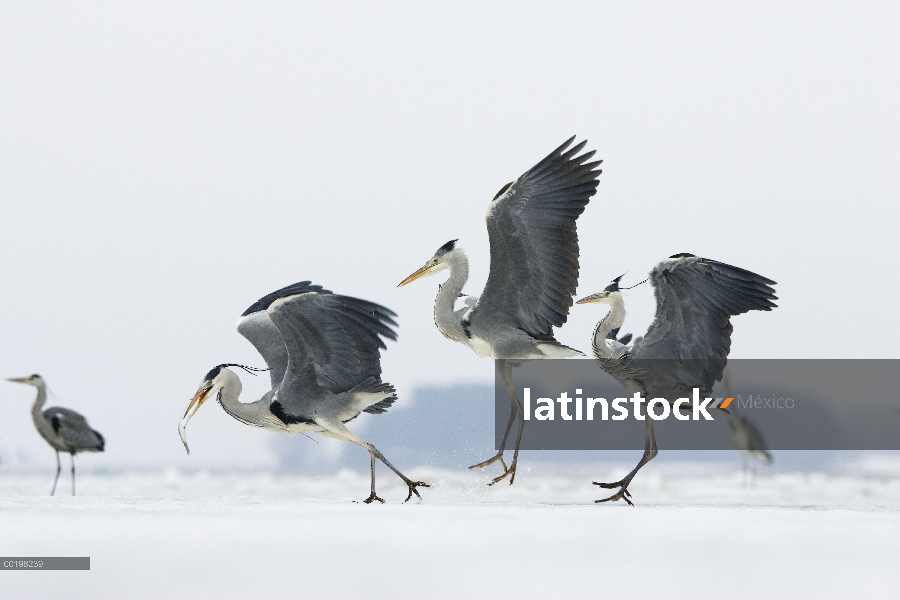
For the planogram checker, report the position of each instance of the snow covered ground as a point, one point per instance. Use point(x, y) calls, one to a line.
point(697, 530)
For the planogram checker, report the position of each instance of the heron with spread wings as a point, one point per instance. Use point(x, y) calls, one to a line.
point(323, 354)
point(534, 273)
point(687, 344)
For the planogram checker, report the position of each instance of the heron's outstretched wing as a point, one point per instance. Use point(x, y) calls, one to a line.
point(258, 328)
point(534, 243)
point(74, 429)
point(695, 299)
point(333, 343)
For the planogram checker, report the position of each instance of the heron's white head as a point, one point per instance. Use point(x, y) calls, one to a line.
point(610, 293)
point(437, 263)
point(209, 387)
point(33, 380)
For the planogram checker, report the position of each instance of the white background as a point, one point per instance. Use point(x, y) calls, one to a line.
point(162, 166)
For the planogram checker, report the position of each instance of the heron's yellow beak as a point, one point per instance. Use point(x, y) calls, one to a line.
point(18, 379)
point(196, 402)
point(420, 273)
point(598, 297)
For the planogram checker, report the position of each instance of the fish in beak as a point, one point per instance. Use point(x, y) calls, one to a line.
point(196, 402)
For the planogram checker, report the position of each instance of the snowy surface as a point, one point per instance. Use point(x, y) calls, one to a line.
point(696, 530)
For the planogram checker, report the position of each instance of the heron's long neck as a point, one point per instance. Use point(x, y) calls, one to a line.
point(37, 415)
point(613, 320)
point(444, 316)
point(250, 413)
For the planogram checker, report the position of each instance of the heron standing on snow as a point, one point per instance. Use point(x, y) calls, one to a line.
point(746, 436)
point(65, 430)
point(534, 273)
point(688, 341)
point(323, 354)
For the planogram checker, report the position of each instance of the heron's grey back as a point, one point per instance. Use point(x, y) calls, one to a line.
point(333, 345)
point(74, 430)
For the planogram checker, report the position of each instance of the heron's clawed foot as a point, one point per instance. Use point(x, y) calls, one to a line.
point(490, 461)
point(622, 483)
point(373, 498)
point(510, 472)
point(412, 489)
point(622, 494)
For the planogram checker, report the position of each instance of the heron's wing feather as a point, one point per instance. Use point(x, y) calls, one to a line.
point(266, 301)
point(534, 242)
point(333, 343)
point(695, 299)
point(74, 429)
point(258, 328)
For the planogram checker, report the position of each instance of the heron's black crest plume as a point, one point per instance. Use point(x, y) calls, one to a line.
point(446, 248)
point(614, 286)
point(683, 255)
point(246, 368)
point(635, 285)
point(215, 371)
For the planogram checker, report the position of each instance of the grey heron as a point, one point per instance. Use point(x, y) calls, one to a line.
point(531, 226)
point(323, 354)
point(748, 439)
point(746, 435)
point(64, 429)
point(689, 339)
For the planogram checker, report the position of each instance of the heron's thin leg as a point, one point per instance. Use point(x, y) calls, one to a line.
point(518, 410)
point(743, 470)
point(752, 474)
point(373, 497)
point(73, 473)
point(58, 470)
point(336, 428)
point(412, 485)
point(501, 366)
point(518, 442)
point(650, 452)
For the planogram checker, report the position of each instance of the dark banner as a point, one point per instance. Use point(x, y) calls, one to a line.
point(45, 563)
point(781, 404)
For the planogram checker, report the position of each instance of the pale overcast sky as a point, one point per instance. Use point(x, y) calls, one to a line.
point(164, 165)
